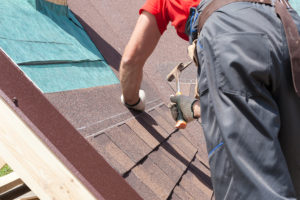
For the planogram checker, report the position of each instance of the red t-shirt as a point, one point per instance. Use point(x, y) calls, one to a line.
point(176, 11)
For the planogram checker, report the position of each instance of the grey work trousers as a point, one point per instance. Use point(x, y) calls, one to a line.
point(249, 110)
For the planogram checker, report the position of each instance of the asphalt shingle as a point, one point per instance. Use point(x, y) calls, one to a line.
point(129, 142)
point(112, 153)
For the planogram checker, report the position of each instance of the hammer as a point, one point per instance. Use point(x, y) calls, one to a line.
point(175, 73)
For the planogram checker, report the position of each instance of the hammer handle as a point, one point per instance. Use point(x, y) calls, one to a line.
point(180, 123)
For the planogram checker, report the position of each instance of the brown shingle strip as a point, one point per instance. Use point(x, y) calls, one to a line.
point(55, 131)
point(169, 167)
point(152, 127)
point(202, 172)
point(141, 131)
point(182, 143)
point(193, 132)
point(174, 156)
point(183, 194)
point(143, 190)
point(152, 176)
point(196, 136)
point(111, 153)
point(196, 182)
point(203, 159)
point(160, 119)
point(175, 152)
point(195, 187)
point(129, 142)
point(175, 197)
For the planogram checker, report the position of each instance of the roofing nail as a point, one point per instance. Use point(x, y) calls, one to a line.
point(15, 101)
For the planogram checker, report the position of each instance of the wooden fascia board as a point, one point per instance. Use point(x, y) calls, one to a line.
point(50, 131)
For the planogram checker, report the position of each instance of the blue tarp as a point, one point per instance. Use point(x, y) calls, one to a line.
point(51, 46)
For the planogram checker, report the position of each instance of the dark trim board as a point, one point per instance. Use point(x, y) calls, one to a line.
point(59, 136)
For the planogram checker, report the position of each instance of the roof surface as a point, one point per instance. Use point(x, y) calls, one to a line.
point(157, 160)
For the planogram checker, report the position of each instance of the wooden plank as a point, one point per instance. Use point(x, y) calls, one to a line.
point(28, 196)
point(9, 181)
point(2, 162)
point(37, 166)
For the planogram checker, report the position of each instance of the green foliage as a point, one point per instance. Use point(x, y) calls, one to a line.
point(5, 170)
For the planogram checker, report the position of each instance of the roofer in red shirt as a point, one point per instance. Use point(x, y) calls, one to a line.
point(248, 57)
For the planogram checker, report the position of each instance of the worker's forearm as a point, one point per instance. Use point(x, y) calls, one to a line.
point(140, 46)
point(131, 77)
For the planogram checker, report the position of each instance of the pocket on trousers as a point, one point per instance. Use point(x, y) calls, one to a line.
point(242, 62)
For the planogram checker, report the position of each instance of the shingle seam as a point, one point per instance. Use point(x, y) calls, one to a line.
point(179, 180)
point(202, 162)
point(189, 140)
point(120, 147)
point(120, 123)
point(120, 114)
point(141, 161)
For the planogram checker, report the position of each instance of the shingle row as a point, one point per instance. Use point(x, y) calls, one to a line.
point(157, 160)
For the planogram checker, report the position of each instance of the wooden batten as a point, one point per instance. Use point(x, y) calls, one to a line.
point(9, 181)
point(36, 165)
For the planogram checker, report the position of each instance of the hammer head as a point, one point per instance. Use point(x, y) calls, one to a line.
point(175, 72)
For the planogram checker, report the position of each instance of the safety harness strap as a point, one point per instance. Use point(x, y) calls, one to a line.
point(217, 4)
point(293, 40)
point(290, 28)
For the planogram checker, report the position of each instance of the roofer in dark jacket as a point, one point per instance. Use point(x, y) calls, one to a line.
point(248, 57)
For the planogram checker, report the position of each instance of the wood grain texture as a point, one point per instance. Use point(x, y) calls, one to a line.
point(9, 181)
point(2, 162)
point(34, 162)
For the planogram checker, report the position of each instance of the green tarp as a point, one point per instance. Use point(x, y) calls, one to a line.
point(296, 5)
point(76, 75)
point(51, 47)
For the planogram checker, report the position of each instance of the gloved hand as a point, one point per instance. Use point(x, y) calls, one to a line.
point(185, 104)
point(140, 105)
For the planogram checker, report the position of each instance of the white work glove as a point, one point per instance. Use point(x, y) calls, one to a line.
point(140, 105)
point(185, 104)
